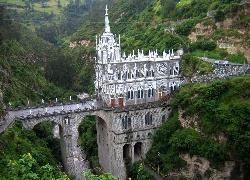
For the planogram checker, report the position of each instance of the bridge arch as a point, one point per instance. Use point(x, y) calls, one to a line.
point(138, 149)
point(63, 121)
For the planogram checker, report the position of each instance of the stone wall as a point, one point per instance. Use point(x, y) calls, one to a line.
point(221, 71)
point(123, 134)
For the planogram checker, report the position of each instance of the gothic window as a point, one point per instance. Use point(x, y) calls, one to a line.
point(140, 92)
point(163, 118)
point(172, 86)
point(148, 119)
point(128, 75)
point(125, 75)
point(152, 73)
point(126, 122)
point(129, 122)
point(119, 76)
point(130, 93)
point(66, 120)
point(110, 77)
point(137, 73)
point(119, 88)
point(150, 91)
point(147, 74)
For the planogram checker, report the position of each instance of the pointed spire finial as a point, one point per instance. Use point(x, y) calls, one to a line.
point(106, 10)
point(107, 27)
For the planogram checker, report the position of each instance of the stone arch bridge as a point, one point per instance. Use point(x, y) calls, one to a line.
point(123, 133)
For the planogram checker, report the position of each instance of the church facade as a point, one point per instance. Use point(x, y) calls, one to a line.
point(134, 79)
point(123, 81)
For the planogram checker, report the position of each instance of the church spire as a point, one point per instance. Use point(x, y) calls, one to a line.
point(107, 27)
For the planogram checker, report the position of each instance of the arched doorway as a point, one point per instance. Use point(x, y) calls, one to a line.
point(138, 152)
point(126, 154)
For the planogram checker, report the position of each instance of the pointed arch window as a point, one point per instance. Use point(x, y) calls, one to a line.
point(126, 122)
point(150, 91)
point(130, 93)
point(148, 119)
point(140, 92)
point(152, 73)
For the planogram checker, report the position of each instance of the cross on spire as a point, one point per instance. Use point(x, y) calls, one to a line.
point(106, 10)
point(107, 27)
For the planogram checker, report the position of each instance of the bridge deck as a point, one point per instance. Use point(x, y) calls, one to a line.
point(21, 113)
point(29, 112)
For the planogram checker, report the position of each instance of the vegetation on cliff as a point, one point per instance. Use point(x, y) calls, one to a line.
point(222, 108)
point(88, 140)
point(32, 69)
point(25, 155)
point(170, 24)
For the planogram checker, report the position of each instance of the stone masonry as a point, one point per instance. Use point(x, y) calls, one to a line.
point(123, 134)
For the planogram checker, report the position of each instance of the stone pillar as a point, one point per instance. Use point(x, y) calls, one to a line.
point(132, 152)
point(66, 147)
point(104, 145)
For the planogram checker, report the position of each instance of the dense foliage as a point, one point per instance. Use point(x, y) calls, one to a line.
point(44, 131)
point(222, 108)
point(191, 64)
point(139, 172)
point(106, 176)
point(166, 25)
point(88, 139)
point(14, 143)
point(162, 153)
point(27, 168)
point(31, 69)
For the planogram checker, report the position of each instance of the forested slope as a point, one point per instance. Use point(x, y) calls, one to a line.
point(216, 29)
point(32, 69)
point(211, 121)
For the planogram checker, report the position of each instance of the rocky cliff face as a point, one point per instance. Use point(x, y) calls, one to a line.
point(199, 167)
point(233, 44)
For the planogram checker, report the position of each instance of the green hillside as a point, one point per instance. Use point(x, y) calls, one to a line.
point(36, 63)
point(174, 24)
point(24, 79)
point(219, 108)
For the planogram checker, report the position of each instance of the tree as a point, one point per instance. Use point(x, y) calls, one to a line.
point(139, 172)
point(106, 176)
point(219, 15)
point(168, 6)
point(27, 168)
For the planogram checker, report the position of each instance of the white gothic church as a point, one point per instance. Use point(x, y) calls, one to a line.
point(134, 79)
